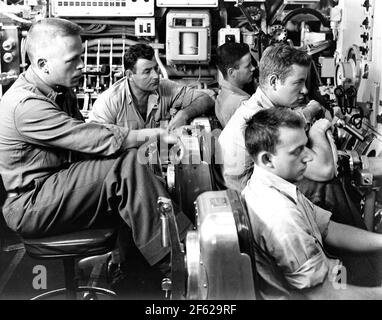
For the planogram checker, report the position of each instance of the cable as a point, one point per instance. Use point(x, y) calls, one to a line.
point(313, 12)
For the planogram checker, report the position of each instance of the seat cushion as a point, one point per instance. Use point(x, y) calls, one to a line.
point(75, 244)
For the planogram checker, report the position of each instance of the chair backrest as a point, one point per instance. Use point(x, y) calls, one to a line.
point(3, 226)
point(223, 235)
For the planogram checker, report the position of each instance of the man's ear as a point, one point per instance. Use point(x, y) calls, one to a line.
point(231, 72)
point(42, 64)
point(273, 80)
point(128, 73)
point(265, 159)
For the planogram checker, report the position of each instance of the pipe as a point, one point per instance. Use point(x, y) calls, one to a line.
point(108, 22)
point(16, 18)
point(160, 64)
point(106, 41)
point(325, 22)
point(375, 166)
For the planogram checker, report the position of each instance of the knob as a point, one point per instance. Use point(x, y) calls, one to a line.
point(166, 287)
point(365, 37)
point(8, 57)
point(364, 50)
point(9, 44)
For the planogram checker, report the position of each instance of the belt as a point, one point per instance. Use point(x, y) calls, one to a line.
point(12, 194)
point(19, 191)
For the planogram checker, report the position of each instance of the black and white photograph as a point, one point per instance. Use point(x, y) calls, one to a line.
point(191, 158)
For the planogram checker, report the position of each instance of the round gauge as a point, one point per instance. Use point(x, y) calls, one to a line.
point(278, 33)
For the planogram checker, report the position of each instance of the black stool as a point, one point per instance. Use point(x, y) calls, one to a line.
point(69, 247)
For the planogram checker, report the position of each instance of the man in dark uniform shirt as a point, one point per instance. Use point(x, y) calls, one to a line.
point(62, 174)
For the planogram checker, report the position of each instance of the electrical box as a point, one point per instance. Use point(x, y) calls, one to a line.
point(188, 37)
point(145, 27)
point(103, 8)
point(187, 3)
point(228, 35)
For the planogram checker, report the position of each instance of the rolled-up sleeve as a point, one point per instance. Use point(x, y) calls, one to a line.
point(299, 256)
point(179, 96)
point(103, 110)
point(41, 124)
point(322, 218)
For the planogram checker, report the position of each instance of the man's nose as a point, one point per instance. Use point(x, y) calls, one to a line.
point(81, 65)
point(155, 73)
point(307, 156)
point(304, 90)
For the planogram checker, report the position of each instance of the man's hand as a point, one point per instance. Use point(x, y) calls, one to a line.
point(319, 128)
point(138, 137)
point(178, 120)
point(312, 109)
point(323, 166)
point(167, 138)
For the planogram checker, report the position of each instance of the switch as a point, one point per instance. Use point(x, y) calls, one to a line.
point(364, 51)
point(365, 22)
point(366, 4)
point(365, 37)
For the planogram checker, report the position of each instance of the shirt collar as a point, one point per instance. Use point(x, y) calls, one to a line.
point(262, 99)
point(42, 86)
point(269, 179)
point(152, 102)
point(226, 85)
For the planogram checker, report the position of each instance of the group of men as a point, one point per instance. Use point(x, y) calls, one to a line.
point(63, 174)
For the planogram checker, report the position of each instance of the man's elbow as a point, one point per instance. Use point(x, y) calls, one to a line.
point(320, 173)
point(323, 291)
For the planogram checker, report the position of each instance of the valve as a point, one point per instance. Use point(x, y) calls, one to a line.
point(166, 287)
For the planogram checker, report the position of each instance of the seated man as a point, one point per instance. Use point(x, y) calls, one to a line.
point(289, 230)
point(283, 73)
point(234, 63)
point(142, 100)
point(62, 174)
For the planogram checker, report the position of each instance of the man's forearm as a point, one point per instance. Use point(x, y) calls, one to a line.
point(352, 239)
point(201, 105)
point(328, 291)
point(322, 167)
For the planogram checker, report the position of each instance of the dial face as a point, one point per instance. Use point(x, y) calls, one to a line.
point(278, 33)
point(340, 74)
point(354, 59)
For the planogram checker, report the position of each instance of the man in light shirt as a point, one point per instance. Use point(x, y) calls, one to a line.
point(283, 73)
point(234, 63)
point(142, 100)
point(289, 230)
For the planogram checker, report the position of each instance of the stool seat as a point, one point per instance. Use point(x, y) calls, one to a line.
point(76, 244)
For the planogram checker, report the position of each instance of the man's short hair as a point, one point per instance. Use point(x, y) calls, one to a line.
point(43, 31)
point(229, 55)
point(135, 52)
point(262, 131)
point(278, 59)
